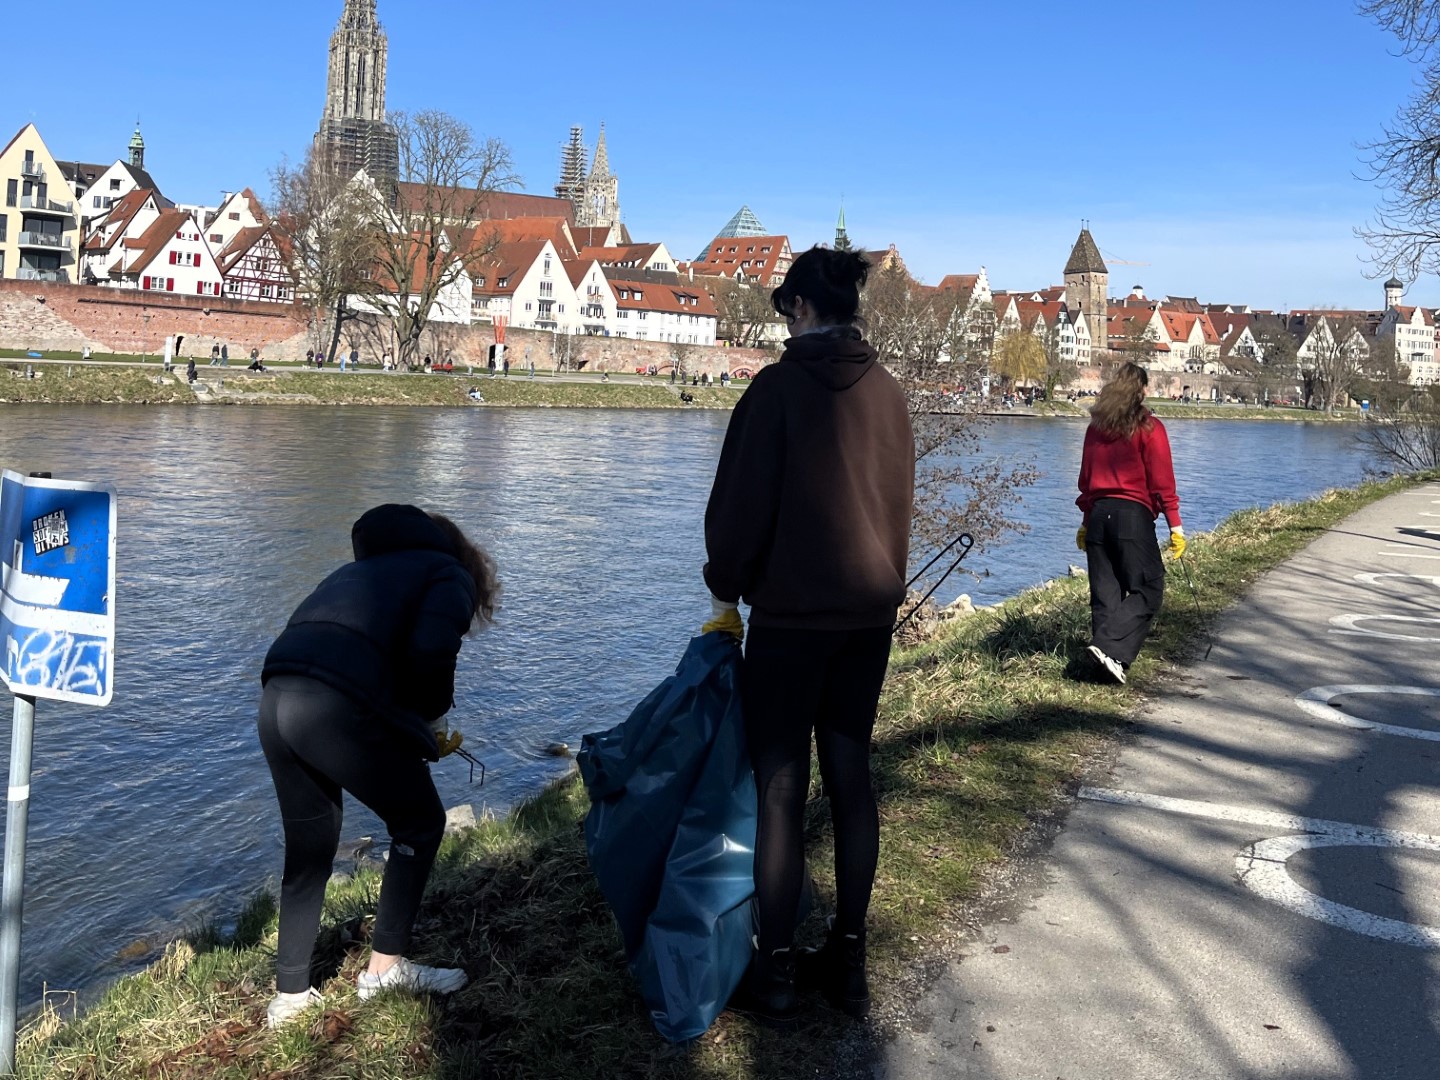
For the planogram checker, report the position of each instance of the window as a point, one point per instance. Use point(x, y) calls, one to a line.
point(637, 295)
point(643, 314)
point(547, 265)
point(216, 238)
point(114, 185)
point(12, 192)
point(502, 282)
point(234, 215)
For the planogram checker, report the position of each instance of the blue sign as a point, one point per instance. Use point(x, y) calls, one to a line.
point(57, 588)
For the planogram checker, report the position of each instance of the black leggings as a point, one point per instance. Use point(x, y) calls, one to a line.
point(1127, 576)
point(317, 742)
point(794, 682)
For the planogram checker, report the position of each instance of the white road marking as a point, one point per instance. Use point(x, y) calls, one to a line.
point(1263, 869)
point(1316, 703)
point(1350, 624)
point(1261, 866)
point(1374, 579)
point(1405, 553)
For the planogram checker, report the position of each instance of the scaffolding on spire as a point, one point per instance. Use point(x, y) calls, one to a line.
point(572, 168)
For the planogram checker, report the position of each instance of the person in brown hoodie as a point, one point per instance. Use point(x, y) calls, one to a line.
point(809, 523)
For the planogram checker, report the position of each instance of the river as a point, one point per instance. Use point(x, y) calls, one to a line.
point(157, 812)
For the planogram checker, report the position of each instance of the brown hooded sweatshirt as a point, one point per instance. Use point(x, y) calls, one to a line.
point(809, 518)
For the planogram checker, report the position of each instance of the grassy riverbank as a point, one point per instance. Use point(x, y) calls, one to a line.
point(90, 384)
point(981, 733)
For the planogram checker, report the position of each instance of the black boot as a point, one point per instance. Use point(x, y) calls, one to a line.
point(837, 970)
point(767, 992)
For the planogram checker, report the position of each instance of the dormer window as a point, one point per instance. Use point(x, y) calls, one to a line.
point(502, 282)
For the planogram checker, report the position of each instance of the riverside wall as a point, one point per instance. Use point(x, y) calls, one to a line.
point(49, 317)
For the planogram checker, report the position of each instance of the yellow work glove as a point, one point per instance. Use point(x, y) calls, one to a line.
point(1080, 538)
point(448, 743)
point(725, 617)
point(1177, 542)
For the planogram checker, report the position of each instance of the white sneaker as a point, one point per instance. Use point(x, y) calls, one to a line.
point(285, 1007)
point(1117, 672)
point(413, 978)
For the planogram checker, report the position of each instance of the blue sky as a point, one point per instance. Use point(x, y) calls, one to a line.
point(1213, 139)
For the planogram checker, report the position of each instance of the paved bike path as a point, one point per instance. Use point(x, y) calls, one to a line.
point(1255, 889)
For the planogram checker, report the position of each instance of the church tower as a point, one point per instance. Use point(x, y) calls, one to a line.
point(601, 206)
point(1087, 288)
point(353, 131)
point(1394, 293)
point(572, 169)
point(842, 236)
point(137, 148)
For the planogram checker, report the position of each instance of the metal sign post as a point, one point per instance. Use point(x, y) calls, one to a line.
point(57, 628)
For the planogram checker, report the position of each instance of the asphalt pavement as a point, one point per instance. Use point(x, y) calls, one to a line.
point(1254, 890)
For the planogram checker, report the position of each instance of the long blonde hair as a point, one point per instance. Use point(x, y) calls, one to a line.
point(480, 566)
point(1120, 409)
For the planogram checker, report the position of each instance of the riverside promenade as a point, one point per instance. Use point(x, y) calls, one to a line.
point(1253, 890)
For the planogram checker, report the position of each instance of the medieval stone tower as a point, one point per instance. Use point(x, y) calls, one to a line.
point(596, 195)
point(353, 132)
point(1087, 288)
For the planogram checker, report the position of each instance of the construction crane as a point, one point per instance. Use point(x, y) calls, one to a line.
point(1120, 262)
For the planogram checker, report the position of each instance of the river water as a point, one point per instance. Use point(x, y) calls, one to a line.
point(157, 812)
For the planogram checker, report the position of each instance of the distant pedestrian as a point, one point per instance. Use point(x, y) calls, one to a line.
point(356, 689)
point(254, 356)
point(506, 362)
point(214, 356)
point(309, 357)
point(532, 369)
point(224, 355)
point(85, 353)
point(190, 373)
point(672, 376)
point(1126, 481)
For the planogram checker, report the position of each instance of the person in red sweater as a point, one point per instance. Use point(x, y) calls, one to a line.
point(1126, 481)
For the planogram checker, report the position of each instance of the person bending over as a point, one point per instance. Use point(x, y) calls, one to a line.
point(809, 523)
point(1126, 481)
point(356, 689)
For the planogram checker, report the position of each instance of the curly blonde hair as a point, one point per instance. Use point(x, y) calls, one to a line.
point(1120, 409)
point(479, 565)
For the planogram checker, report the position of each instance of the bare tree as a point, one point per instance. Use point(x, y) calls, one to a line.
point(746, 314)
point(430, 225)
point(322, 221)
point(939, 345)
point(1332, 360)
point(1404, 162)
point(1060, 367)
point(1406, 434)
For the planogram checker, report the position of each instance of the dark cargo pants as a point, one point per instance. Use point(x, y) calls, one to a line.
point(1127, 576)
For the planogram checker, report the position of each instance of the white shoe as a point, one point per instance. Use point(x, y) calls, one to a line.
point(412, 978)
point(1117, 672)
point(285, 1007)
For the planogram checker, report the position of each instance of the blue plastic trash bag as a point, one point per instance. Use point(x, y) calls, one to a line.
point(671, 837)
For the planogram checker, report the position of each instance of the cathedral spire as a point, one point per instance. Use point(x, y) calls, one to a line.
point(601, 168)
point(354, 133)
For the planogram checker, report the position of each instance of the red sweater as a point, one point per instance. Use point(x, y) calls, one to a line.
point(1137, 468)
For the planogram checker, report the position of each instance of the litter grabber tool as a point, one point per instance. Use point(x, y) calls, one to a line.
point(1195, 595)
point(965, 542)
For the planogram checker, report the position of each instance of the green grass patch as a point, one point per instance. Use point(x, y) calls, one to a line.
point(56, 384)
point(981, 732)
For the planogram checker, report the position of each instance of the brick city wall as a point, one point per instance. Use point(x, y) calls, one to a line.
point(43, 316)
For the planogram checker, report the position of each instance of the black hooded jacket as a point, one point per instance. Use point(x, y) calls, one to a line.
point(385, 629)
point(809, 518)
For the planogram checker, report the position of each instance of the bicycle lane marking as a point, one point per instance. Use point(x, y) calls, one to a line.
point(1316, 702)
point(1262, 866)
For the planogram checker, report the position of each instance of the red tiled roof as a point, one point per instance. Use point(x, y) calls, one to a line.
point(577, 270)
point(719, 259)
point(677, 297)
point(162, 230)
point(523, 229)
point(1408, 313)
point(118, 220)
point(627, 255)
point(1030, 310)
point(1180, 324)
point(958, 282)
point(496, 205)
point(508, 261)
